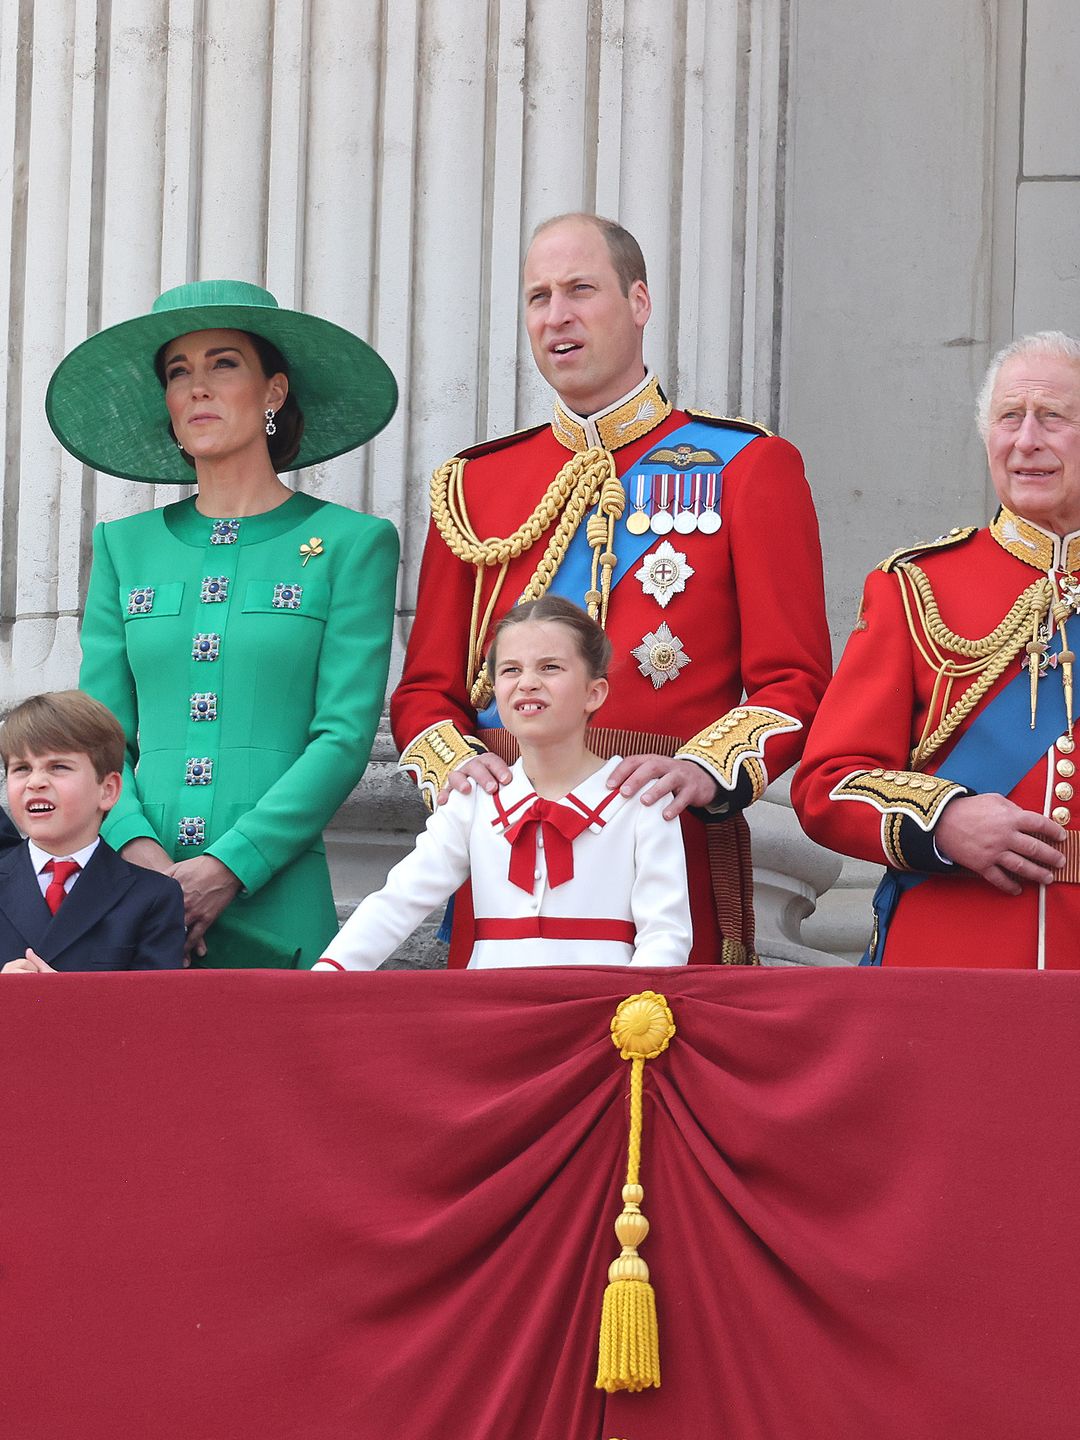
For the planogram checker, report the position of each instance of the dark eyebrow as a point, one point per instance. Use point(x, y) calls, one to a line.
point(217, 350)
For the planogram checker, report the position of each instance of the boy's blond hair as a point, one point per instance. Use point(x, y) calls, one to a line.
point(64, 721)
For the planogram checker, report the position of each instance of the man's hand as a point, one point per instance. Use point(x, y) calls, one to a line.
point(208, 887)
point(994, 838)
point(147, 853)
point(29, 964)
point(686, 783)
point(487, 770)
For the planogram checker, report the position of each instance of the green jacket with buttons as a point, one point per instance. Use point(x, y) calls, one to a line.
point(247, 662)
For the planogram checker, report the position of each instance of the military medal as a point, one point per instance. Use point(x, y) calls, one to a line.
point(708, 521)
point(1070, 591)
point(660, 656)
point(664, 573)
point(638, 522)
point(661, 522)
point(686, 517)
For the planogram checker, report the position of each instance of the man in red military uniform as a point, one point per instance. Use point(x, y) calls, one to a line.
point(946, 744)
point(693, 540)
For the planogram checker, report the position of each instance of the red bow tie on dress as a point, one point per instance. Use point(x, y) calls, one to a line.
point(560, 827)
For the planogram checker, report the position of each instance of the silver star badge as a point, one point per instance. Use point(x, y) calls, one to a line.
point(664, 573)
point(660, 656)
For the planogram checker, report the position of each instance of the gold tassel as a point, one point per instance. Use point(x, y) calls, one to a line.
point(629, 1357)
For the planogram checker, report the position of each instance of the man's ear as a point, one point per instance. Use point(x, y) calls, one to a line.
point(640, 303)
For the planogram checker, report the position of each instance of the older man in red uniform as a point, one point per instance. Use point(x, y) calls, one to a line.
point(946, 744)
point(692, 539)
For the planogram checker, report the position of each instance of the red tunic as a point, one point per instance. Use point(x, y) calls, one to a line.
point(751, 618)
point(886, 694)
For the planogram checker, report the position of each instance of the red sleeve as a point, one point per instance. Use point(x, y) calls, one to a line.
point(776, 560)
point(864, 722)
point(433, 685)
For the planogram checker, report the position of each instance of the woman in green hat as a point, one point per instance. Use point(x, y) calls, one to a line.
point(242, 636)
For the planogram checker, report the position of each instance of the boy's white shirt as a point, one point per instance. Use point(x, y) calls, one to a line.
point(629, 866)
point(40, 858)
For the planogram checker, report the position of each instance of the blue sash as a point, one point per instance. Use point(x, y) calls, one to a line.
point(574, 575)
point(994, 754)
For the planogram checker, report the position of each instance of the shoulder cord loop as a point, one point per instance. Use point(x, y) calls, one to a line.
point(586, 479)
point(986, 658)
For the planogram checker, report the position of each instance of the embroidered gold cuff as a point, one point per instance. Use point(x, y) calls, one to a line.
point(737, 741)
point(434, 753)
point(896, 794)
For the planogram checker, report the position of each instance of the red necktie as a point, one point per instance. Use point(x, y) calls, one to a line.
point(61, 871)
point(560, 826)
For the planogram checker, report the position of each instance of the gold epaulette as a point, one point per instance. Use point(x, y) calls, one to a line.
point(737, 742)
point(955, 536)
point(734, 422)
point(501, 442)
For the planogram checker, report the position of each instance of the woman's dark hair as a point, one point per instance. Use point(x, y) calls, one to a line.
point(284, 445)
point(593, 645)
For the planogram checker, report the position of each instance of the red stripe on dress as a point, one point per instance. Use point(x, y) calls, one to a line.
point(555, 927)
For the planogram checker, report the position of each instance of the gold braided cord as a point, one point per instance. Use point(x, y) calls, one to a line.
point(586, 479)
point(448, 510)
point(1037, 596)
point(985, 658)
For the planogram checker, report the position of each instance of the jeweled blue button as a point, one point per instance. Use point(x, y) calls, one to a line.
point(199, 770)
point(191, 830)
point(141, 600)
point(204, 705)
point(215, 588)
point(287, 597)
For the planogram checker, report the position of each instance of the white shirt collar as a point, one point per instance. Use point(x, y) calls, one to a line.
point(514, 795)
point(40, 858)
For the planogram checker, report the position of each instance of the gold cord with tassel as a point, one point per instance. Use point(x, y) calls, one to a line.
point(1067, 659)
point(587, 479)
point(629, 1358)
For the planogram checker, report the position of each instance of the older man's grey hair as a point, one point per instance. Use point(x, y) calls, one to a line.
point(1054, 343)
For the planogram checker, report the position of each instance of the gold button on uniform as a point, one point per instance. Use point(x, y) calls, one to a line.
point(1061, 815)
point(1063, 790)
point(1066, 745)
point(1066, 768)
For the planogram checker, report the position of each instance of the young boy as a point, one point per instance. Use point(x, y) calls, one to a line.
point(67, 901)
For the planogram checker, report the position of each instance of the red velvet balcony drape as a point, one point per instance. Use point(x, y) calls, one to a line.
point(263, 1206)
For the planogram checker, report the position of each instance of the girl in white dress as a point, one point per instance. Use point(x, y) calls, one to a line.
point(565, 870)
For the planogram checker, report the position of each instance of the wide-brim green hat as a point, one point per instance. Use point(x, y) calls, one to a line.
point(106, 405)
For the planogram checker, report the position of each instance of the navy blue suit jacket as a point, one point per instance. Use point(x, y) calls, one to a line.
point(116, 916)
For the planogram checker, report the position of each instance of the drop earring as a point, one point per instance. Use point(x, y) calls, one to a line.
point(271, 428)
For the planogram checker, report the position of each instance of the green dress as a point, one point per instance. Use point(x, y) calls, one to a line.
point(249, 685)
